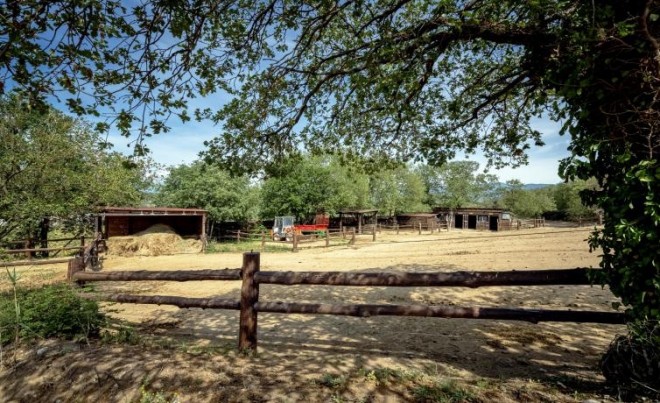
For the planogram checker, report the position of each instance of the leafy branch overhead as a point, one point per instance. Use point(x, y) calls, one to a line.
point(375, 78)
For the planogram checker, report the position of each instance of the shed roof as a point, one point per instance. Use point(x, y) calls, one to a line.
point(155, 211)
point(365, 211)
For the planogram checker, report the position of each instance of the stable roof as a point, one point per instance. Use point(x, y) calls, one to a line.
point(163, 211)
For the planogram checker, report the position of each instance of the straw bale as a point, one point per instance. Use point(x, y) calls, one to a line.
point(159, 239)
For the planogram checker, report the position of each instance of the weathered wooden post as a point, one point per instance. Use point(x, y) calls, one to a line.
point(76, 265)
point(420, 227)
point(374, 234)
point(238, 236)
point(327, 237)
point(352, 241)
point(263, 240)
point(29, 245)
point(247, 336)
point(295, 242)
point(397, 229)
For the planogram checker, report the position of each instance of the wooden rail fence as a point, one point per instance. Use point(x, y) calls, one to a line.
point(250, 305)
point(296, 239)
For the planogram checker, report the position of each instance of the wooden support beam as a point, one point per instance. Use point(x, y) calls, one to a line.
point(469, 279)
point(366, 310)
point(174, 275)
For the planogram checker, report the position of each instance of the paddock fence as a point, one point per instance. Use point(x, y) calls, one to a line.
point(249, 304)
point(327, 238)
point(29, 248)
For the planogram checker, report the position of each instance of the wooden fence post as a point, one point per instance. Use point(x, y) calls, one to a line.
point(327, 237)
point(352, 241)
point(238, 236)
point(247, 337)
point(263, 241)
point(397, 229)
point(295, 242)
point(374, 234)
point(29, 245)
point(75, 265)
point(420, 227)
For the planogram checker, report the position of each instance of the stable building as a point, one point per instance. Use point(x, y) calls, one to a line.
point(123, 221)
point(357, 219)
point(479, 218)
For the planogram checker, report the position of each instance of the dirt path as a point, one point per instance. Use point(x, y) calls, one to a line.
point(296, 350)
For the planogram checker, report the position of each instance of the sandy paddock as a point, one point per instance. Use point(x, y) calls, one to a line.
point(295, 350)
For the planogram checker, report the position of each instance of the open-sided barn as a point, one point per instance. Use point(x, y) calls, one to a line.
point(122, 221)
point(493, 219)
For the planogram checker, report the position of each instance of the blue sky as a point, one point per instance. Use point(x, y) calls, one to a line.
point(184, 142)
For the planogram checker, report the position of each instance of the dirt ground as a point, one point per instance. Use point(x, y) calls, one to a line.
point(190, 354)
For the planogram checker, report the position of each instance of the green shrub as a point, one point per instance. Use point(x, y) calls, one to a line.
point(51, 311)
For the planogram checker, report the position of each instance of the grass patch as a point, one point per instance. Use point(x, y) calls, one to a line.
point(332, 381)
point(50, 311)
point(445, 392)
point(246, 246)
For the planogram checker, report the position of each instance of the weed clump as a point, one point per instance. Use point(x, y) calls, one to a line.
point(52, 311)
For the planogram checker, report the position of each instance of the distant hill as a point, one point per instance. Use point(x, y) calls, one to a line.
point(534, 186)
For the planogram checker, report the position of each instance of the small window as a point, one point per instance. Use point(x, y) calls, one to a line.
point(506, 216)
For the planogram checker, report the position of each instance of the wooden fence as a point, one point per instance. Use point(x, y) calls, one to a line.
point(250, 305)
point(296, 239)
point(30, 250)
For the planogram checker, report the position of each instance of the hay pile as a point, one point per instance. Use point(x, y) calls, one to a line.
point(159, 239)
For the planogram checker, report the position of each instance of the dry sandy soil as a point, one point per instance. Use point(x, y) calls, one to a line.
point(190, 354)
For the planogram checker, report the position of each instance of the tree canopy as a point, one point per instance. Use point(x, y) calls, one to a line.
point(204, 186)
point(398, 190)
point(52, 166)
point(307, 185)
point(458, 184)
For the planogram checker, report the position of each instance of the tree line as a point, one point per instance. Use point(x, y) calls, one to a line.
point(56, 170)
point(309, 184)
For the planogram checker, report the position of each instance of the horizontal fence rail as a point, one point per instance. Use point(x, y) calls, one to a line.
point(249, 304)
point(149, 275)
point(473, 279)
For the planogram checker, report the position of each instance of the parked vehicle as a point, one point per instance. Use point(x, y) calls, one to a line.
point(284, 227)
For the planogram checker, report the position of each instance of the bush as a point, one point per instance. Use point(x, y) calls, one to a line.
point(51, 311)
point(632, 362)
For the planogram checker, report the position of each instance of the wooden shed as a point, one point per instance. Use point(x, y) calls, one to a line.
point(480, 218)
point(357, 219)
point(122, 221)
point(427, 220)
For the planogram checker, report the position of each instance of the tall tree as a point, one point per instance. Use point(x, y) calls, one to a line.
point(567, 198)
point(199, 185)
point(398, 190)
point(305, 185)
point(458, 184)
point(527, 203)
point(52, 166)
